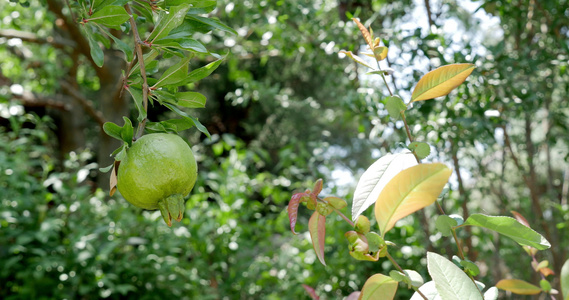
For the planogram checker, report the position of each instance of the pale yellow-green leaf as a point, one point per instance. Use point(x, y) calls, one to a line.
point(356, 58)
point(379, 287)
point(441, 81)
point(518, 286)
point(410, 190)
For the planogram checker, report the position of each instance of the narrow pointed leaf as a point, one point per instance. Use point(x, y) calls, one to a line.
point(379, 287)
point(356, 58)
point(441, 81)
point(293, 210)
point(410, 190)
point(317, 229)
point(169, 21)
point(174, 74)
point(188, 118)
point(212, 24)
point(310, 290)
point(376, 177)
point(518, 286)
point(511, 228)
point(565, 280)
point(451, 282)
point(111, 15)
point(96, 52)
point(202, 72)
point(112, 130)
point(137, 97)
point(520, 218)
point(191, 99)
point(367, 36)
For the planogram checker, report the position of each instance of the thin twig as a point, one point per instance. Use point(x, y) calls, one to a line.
point(402, 271)
point(344, 217)
point(461, 254)
point(138, 46)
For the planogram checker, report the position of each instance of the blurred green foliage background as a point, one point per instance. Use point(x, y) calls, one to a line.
point(283, 110)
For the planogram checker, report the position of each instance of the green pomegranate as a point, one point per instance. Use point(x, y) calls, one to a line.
point(158, 172)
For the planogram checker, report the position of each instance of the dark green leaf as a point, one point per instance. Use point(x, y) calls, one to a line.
point(127, 131)
point(202, 72)
point(174, 74)
point(191, 99)
point(169, 21)
point(96, 51)
point(113, 130)
point(195, 121)
point(110, 16)
point(182, 43)
point(213, 24)
point(138, 102)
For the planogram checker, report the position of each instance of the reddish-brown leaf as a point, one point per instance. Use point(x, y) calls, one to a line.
point(293, 209)
point(317, 187)
point(311, 292)
point(546, 271)
point(317, 229)
point(113, 180)
point(365, 33)
point(520, 218)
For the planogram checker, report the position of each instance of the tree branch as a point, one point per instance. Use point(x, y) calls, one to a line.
point(84, 102)
point(82, 43)
point(33, 38)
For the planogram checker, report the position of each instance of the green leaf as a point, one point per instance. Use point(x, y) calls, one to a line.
point(317, 229)
point(451, 282)
point(395, 107)
point(190, 99)
point(127, 131)
point(422, 150)
point(470, 267)
point(124, 47)
point(96, 51)
point(188, 118)
point(202, 72)
point(565, 280)
point(172, 125)
point(376, 177)
point(362, 225)
point(213, 24)
point(357, 59)
point(181, 43)
point(410, 190)
point(374, 241)
point(110, 16)
point(545, 285)
point(112, 130)
point(441, 81)
point(174, 74)
point(335, 202)
point(444, 225)
point(379, 287)
point(106, 169)
point(518, 286)
point(511, 228)
point(138, 102)
point(169, 21)
point(324, 209)
point(148, 57)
